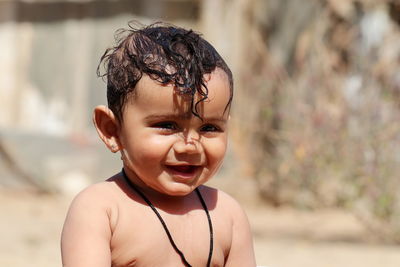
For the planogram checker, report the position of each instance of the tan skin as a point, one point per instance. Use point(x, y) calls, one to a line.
point(167, 153)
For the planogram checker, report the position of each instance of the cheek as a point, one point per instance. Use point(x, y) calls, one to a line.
point(150, 149)
point(216, 151)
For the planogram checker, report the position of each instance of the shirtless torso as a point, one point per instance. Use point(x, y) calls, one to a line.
point(126, 232)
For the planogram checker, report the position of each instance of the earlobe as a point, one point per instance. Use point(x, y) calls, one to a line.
point(107, 127)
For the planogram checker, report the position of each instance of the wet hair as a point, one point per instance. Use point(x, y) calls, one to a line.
point(168, 55)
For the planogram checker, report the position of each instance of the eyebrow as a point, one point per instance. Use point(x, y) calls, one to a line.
point(182, 117)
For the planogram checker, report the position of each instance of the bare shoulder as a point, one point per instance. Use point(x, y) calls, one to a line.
point(240, 252)
point(87, 228)
point(95, 199)
point(221, 200)
point(225, 207)
point(98, 193)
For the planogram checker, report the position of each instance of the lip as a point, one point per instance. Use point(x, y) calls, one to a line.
point(183, 171)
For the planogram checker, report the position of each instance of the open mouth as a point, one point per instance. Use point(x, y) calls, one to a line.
point(183, 169)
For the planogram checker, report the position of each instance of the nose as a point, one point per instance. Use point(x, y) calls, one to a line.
point(188, 143)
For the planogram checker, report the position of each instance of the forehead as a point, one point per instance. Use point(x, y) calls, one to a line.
point(157, 98)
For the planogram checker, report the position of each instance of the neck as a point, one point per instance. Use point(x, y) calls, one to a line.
point(159, 199)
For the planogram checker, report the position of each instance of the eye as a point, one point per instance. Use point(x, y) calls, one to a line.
point(166, 125)
point(210, 128)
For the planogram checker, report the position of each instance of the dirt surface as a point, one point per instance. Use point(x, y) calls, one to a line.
point(30, 229)
point(328, 238)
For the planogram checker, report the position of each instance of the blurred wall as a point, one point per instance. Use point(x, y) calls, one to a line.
point(50, 51)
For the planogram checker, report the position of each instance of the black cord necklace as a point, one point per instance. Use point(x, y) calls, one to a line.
point(140, 193)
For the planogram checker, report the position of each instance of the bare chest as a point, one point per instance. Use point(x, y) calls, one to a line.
point(139, 238)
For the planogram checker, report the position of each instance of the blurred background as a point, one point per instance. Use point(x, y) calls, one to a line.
point(314, 154)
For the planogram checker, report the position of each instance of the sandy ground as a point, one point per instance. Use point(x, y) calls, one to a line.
point(30, 228)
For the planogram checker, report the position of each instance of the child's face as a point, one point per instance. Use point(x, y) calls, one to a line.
point(165, 147)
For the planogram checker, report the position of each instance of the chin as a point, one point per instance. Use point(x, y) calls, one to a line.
point(181, 191)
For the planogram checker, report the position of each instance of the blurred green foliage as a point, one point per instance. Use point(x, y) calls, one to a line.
point(325, 131)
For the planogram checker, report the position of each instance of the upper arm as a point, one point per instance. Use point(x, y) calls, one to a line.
point(241, 252)
point(86, 235)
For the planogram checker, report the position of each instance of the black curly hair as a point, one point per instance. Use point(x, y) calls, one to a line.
point(167, 54)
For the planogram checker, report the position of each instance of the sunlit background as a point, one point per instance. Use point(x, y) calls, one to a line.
point(314, 153)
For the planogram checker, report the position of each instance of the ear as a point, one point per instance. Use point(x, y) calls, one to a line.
point(107, 127)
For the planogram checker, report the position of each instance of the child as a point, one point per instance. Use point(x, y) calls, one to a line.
point(169, 94)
